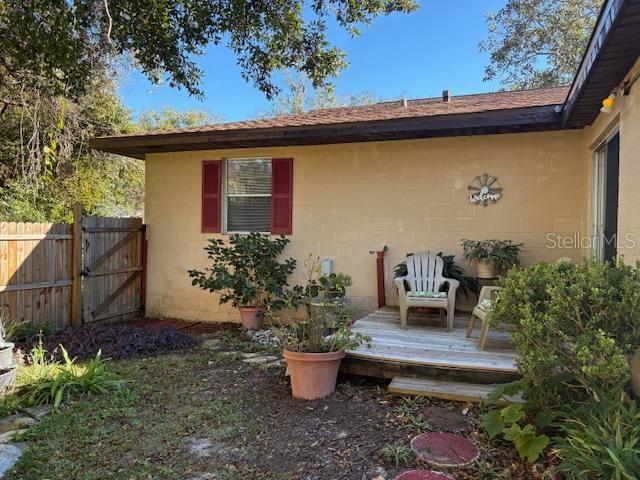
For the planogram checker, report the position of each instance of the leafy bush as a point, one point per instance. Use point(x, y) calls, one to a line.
point(504, 254)
point(450, 269)
point(512, 423)
point(246, 272)
point(600, 439)
point(47, 381)
point(573, 326)
point(115, 341)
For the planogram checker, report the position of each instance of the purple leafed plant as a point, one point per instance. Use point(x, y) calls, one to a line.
point(115, 341)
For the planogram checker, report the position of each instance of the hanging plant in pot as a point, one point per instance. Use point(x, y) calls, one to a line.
point(246, 272)
point(313, 356)
point(491, 257)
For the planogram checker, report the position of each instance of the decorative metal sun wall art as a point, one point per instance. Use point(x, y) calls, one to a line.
point(484, 189)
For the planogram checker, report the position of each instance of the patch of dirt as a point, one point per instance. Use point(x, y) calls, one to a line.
point(205, 414)
point(343, 436)
point(192, 328)
point(446, 420)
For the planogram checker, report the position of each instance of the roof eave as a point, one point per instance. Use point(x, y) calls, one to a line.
point(612, 50)
point(479, 123)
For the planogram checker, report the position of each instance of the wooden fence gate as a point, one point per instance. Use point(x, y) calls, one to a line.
point(112, 269)
point(60, 274)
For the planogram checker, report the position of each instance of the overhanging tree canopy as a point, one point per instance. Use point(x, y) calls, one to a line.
point(66, 40)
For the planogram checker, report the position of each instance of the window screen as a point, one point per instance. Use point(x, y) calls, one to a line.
point(249, 195)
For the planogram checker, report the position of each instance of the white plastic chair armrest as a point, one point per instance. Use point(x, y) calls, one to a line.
point(399, 282)
point(453, 287)
point(487, 292)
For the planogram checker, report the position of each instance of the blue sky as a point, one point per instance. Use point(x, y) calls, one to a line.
point(415, 55)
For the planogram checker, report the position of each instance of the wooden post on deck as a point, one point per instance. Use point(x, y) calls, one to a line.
point(382, 301)
point(76, 267)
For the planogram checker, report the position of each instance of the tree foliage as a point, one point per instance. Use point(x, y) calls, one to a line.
point(168, 118)
point(66, 42)
point(538, 43)
point(45, 161)
point(300, 97)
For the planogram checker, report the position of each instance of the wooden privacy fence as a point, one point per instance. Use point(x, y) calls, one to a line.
point(35, 272)
point(61, 274)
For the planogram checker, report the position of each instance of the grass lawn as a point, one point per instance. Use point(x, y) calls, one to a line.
point(203, 414)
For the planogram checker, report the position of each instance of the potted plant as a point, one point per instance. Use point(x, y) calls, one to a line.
point(334, 285)
point(245, 271)
point(491, 257)
point(313, 357)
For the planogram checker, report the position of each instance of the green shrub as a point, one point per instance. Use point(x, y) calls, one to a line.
point(46, 381)
point(514, 425)
point(573, 326)
point(246, 271)
point(600, 439)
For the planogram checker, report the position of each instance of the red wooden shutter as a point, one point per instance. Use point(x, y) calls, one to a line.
point(211, 196)
point(281, 196)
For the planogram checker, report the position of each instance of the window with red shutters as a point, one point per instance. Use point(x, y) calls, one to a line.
point(211, 196)
point(282, 196)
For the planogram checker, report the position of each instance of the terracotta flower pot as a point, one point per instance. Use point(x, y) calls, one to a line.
point(313, 375)
point(252, 318)
point(486, 270)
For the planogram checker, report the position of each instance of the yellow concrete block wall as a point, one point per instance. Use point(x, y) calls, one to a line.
point(349, 199)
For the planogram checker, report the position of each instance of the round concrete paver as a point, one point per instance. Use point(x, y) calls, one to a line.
point(444, 449)
point(423, 475)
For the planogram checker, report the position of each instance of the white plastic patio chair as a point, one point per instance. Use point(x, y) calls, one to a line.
point(424, 276)
point(487, 298)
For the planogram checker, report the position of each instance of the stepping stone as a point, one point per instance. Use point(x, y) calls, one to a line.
point(10, 453)
point(7, 436)
point(423, 475)
point(444, 449)
point(445, 420)
point(15, 422)
point(258, 360)
point(250, 355)
point(39, 411)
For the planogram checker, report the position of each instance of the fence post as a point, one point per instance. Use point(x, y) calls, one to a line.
point(76, 267)
point(143, 278)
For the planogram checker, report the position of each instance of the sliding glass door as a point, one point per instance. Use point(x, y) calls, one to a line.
point(605, 199)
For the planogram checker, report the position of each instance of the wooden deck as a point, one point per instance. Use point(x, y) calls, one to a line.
point(426, 349)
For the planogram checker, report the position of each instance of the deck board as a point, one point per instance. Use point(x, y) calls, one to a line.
point(458, 391)
point(426, 342)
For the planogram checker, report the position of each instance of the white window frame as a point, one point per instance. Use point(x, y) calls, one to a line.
point(225, 195)
point(599, 194)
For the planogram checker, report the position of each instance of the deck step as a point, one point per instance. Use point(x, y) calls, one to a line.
point(458, 391)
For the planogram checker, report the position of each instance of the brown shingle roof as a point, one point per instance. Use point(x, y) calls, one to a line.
point(426, 107)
